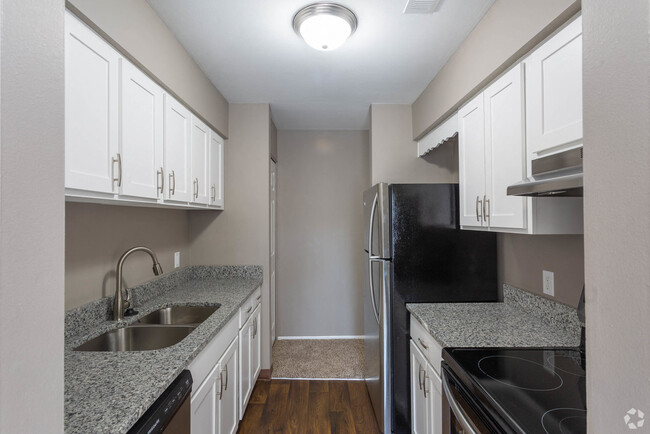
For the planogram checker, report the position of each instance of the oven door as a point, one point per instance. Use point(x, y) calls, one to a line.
point(458, 416)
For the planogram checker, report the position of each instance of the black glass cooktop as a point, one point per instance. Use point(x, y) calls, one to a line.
point(532, 390)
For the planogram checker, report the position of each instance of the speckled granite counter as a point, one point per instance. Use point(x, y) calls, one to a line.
point(522, 320)
point(107, 392)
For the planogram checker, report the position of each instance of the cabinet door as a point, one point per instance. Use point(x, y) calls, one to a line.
point(199, 162)
point(91, 108)
point(505, 150)
point(141, 143)
point(256, 345)
point(177, 150)
point(204, 405)
point(554, 92)
point(471, 156)
point(228, 403)
point(216, 170)
point(245, 384)
point(434, 400)
point(419, 407)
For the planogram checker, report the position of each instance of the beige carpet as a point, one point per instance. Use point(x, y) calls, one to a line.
point(318, 358)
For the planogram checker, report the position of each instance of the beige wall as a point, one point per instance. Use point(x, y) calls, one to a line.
point(31, 216)
point(138, 30)
point(240, 234)
point(97, 235)
point(393, 152)
point(321, 179)
point(522, 258)
point(508, 30)
point(616, 61)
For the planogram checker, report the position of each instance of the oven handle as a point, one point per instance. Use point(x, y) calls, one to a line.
point(455, 407)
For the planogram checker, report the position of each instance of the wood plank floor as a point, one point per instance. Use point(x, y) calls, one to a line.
point(309, 406)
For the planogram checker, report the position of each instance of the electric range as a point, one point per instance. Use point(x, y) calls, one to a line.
point(514, 390)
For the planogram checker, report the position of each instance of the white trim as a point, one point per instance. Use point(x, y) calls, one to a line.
point(317, 379)
point(307, 338)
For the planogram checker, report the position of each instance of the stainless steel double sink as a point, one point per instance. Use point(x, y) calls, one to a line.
point(159, 329)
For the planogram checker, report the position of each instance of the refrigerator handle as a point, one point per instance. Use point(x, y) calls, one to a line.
point(372, 288)
point(371, 225)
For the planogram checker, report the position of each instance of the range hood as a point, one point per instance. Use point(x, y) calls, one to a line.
point(555, 175)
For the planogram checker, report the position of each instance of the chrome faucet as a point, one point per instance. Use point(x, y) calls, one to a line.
point(119, 304)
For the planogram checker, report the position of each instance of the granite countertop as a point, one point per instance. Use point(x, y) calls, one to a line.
point(107, 392)
point(521, 320)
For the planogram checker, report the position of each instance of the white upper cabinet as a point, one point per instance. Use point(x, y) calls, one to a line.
point(554, 92)
point(505, 151)
point(141, 140)
point(200, 139)
point(91, 109)
point(177, 151)
point(216, 170)
point(471, 156)
point(492, 155)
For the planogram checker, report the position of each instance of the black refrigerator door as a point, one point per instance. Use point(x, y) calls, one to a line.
point(433, 261)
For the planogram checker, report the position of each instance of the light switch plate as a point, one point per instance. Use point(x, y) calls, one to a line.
point(548, 279)
point(177, 259)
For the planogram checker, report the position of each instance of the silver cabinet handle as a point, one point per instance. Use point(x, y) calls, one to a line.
point(220, 385)
point(226, 371)
point(196, 188)
point(117, 160)
point(424, 384)
point(420, 371)
point(249, 309)
point(172, 183)
point(254, 328)
point(258, 297)
point(160, 176)
point(214, 192)
point(426, 347)
point(461, 417)
point(486, 208)
point(478, 214)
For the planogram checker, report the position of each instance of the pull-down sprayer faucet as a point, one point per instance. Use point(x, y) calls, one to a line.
point(119, 304)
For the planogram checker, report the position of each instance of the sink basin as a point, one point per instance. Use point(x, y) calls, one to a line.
point(140, 338)
point(179, 315)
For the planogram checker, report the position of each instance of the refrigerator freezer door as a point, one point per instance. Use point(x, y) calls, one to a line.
point(376, 214)
point(377, 339)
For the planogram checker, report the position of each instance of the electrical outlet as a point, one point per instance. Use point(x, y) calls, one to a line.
point(548, 279)
point(177, 259)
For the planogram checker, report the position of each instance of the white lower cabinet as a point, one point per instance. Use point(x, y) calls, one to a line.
point(204, 407)
point(228, 411)
point(426, 395)
point(250, 355)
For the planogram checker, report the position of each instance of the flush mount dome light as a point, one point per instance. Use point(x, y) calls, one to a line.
point(325, 26)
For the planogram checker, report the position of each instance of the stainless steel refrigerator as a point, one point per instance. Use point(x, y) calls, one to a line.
point(414, 251)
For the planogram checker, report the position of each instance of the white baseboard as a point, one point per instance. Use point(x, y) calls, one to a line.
point(294, 338)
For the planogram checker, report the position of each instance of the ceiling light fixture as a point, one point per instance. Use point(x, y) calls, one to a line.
point(325, 26)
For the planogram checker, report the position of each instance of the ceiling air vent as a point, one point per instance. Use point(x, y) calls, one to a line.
point(421, 6)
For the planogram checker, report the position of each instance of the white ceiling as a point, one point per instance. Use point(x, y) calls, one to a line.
point(250, 52)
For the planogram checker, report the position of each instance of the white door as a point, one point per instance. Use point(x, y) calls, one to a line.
point(471, 156)
point(204, 405)
point(419, 407)
point(274, 171)
point(216, 170)
point(228, 403)
point(91, 109)
point(256, 345)
point(554, 92)
point(199, 162)
point(434, 400)
point(177, 151)
point(141, 139)
point(505, 150)
point(245, 386)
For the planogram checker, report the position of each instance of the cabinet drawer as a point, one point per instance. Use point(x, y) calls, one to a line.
point(430, 348)
point(249, 305)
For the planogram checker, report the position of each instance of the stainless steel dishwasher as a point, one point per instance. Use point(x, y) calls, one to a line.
point(170, 414)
